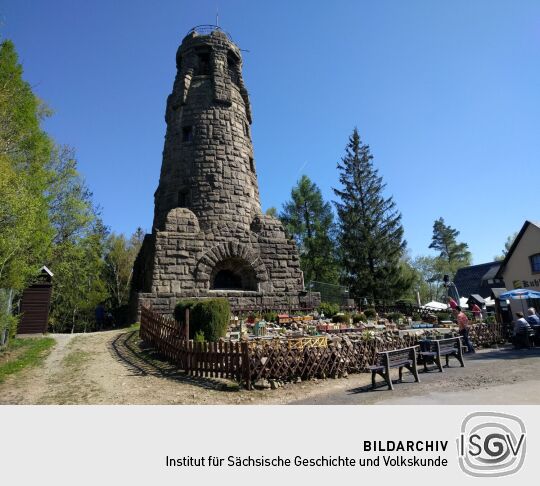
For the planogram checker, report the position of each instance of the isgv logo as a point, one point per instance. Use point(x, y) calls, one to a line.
point(491, 444)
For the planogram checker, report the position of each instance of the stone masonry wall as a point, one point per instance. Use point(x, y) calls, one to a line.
point(207, 218)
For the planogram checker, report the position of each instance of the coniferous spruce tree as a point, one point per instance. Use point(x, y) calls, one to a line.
point(370, 231)
point(310, 221)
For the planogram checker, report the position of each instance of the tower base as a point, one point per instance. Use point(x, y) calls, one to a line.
point(255, 267)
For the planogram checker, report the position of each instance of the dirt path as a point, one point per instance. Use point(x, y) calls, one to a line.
point(112, 368)
point(109, 368)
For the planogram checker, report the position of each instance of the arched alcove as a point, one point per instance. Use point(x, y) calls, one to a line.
point(233, 274)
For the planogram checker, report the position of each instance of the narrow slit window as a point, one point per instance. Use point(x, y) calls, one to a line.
point(252, 164)
point(187, 134)
point(232, 66)
point(203, 64)
point(183, 199)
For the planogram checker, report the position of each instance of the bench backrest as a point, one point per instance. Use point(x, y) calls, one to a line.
point(444, 344)
point(449, 343)
point(396, 356)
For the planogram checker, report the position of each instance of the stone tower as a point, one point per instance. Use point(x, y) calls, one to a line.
point(209, 237)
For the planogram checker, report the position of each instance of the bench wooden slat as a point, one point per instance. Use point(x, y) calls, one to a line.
point(446, 347)
point(398, 358)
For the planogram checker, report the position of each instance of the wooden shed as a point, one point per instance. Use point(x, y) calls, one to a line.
point(35, 304)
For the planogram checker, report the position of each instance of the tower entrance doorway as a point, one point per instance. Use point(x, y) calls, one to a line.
point(233, 274)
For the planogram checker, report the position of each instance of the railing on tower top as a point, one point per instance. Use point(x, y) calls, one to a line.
point(207, 29)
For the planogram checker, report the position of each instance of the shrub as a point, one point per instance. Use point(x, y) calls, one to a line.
point(370, 313)
point(180, 309)
point(270, 316)
point(199, 337)
point(395, 316)
point(8, 327)
point(209, 317)
point(341, 318)
point(444, 316)
point(360, 317)
point(328, 309)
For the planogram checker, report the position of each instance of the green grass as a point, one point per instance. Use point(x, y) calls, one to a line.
point(24, 353)
point(134, 327)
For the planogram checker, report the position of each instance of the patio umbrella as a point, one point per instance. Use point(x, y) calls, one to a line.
point(520, 294)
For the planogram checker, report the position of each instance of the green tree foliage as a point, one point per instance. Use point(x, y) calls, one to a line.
point(272, 211)
point(310, 221)
point(47, 215)
point(427, 281)
point(452, 254)
point(507, 245)
point(370, 231)
point(79, 284)
point(120, 255)
point(25, 233)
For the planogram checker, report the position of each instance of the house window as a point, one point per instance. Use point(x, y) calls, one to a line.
point(535, 263)
point(187, 134)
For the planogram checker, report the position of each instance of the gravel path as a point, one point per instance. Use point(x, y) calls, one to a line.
point(110, 368)
point(504, 376)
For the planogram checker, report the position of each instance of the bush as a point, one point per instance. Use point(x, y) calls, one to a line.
point(444, 316)
point(341, 318)
point(8, 328)
point(395, 317)
point(270, 316)
point(328, 309)
point(199, 337)
point(180, 309)
point(370, 313)
point(209, 317)
point(360, 317)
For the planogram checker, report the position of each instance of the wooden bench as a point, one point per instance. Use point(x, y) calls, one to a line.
point(435, 349)
point(399, 358)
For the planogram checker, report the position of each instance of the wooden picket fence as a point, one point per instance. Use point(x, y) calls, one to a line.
point(212, 360)
point(270, 360)
point(249, 362)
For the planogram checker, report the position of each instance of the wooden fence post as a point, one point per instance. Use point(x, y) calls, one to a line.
point(246, 368)
point(186, 324)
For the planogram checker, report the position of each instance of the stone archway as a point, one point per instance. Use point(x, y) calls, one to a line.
point(233, 274)
point(232, 266)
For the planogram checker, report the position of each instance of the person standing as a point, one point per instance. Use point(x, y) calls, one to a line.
point(463, 325)
point(477, 312)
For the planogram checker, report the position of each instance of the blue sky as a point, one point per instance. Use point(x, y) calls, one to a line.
point(445, 93)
